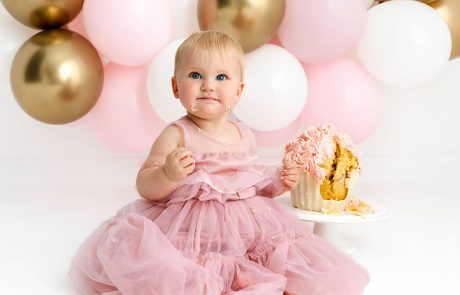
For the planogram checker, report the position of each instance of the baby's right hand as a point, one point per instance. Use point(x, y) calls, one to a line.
point(178, 164)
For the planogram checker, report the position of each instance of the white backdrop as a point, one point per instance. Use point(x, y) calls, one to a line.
point(418, 140)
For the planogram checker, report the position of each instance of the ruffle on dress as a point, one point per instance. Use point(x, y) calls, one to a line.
point(236, 181)
point(133, 257)
point(313, 267)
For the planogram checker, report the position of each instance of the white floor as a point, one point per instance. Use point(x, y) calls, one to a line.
point(415, 251)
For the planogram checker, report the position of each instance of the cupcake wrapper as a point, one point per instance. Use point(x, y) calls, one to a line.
point(307, 195)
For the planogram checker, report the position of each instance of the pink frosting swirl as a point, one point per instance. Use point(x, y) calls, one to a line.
point(316, 144)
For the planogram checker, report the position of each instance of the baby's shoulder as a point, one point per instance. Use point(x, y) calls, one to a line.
point(172, 130)
point(172, 134)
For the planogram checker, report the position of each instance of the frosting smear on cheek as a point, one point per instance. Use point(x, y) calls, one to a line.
point(194, 107)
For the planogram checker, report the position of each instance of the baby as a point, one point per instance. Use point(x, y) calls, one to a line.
point(207, 222)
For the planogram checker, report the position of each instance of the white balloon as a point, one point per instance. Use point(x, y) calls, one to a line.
point(275, 89)
point(185, 18)
point(159, 89)
point(405, 43)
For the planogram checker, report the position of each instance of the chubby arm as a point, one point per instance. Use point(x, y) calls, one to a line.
point(167, 164)
point(281, 180)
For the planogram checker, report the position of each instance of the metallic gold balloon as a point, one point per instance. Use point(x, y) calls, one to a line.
point(57, 76)
point(251, 22)
point(43, 14)
point(450, 12)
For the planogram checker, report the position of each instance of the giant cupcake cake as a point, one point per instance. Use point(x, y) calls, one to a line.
point(329, 165)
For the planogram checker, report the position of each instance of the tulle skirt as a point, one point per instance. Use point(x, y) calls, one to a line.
point(252, 246)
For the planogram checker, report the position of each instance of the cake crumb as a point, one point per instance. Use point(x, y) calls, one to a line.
point(358, 207)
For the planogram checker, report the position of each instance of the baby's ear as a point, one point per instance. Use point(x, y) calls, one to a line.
point(240, 90)
point(175, 89)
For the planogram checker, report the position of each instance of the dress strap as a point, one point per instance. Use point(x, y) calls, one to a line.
point(247, 135)
point(184, 125)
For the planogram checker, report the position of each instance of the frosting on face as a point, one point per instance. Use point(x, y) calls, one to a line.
point(314, 146)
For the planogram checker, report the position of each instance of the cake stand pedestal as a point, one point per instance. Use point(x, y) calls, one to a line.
point(325, 225)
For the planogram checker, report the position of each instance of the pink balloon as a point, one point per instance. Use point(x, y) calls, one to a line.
point(317, 31)
point(275, 40)
point(76, 25)
point(344, 94)
point(123, 117)
point(128, 32)
point(278, 137)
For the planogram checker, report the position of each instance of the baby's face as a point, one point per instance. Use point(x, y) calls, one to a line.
point(208, 85)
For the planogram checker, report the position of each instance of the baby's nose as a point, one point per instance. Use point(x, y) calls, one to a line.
point(207, 85)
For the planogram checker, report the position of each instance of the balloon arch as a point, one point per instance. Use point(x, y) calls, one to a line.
point(108, 63)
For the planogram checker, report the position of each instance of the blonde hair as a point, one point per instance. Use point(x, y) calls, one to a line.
point(210, 42)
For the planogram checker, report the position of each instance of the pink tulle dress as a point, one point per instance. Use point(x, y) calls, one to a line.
point(218, 232)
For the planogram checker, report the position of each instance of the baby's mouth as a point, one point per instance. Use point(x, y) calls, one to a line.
point(208, 98)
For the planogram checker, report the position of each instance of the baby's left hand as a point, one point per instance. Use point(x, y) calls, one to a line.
point(290, 177)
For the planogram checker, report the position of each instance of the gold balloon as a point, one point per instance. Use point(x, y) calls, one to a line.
point(43, 14)
point(251, 22)
point(450, 12)
point(57, 76)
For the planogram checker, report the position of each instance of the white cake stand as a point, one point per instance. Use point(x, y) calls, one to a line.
point(325, 225)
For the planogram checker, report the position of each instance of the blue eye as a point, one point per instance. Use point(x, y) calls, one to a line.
point(195, 75)
point(221, 77)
